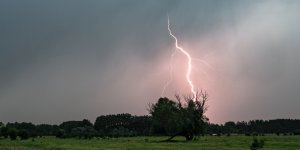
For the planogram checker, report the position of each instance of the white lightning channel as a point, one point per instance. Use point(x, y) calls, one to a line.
point(188, 57)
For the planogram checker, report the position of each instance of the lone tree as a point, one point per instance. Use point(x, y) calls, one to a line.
point(176, 118)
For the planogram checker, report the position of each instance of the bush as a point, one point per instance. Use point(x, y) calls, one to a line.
point(256, 145)
point(23, 134)
point(284, 134)
point(122, 132)
point(60, 134)
point(12, 132)
point(297, 132)
point(255, 134)
point(4, 132)
point(247, 134)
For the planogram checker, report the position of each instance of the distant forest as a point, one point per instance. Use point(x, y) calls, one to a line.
point(127, 125)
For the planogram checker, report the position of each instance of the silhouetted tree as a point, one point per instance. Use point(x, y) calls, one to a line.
point(122, 125)
point(69, 125)
point(46, 129)
point(230, 127)
point(86, 132)
point(166, 117)
point(141, 125)
point(29, 127)
point(178, 118)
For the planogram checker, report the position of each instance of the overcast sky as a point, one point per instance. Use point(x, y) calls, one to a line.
point(70, 60)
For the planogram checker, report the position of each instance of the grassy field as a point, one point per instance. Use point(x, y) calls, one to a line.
point(150, 143)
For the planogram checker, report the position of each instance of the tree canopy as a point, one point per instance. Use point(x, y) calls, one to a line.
point(180, 118)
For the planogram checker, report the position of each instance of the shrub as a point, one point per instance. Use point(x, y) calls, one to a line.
point(247, 134)
point(256, 145)
point(23, 134)
point(297, 132)
point(4, 132)
point(284, 134)
point(12, 132)
point(255, 134)
point(60, 134)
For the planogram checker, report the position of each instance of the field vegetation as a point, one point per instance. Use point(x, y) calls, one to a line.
point(224, 142)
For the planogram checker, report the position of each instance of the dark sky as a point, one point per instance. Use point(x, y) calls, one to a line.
point(69, 60)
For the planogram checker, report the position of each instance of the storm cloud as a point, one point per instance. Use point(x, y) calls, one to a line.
point(69, 60)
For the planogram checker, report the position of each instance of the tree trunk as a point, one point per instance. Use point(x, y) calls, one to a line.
point(170, 138)
point(189, 137)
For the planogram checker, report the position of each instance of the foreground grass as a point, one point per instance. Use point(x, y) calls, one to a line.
point(150, 143)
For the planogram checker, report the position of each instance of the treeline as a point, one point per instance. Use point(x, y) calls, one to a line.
point(125, 125)
point(25, 130)
point(257, 127)
point(118, 125)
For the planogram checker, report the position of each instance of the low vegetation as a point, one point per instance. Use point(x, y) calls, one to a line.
point(233, 142)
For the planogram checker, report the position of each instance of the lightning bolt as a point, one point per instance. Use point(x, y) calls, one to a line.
point(189, 62)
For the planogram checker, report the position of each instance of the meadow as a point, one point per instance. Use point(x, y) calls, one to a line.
point(234, 142)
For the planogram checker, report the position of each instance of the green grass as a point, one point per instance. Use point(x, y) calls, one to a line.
point(140, 143)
